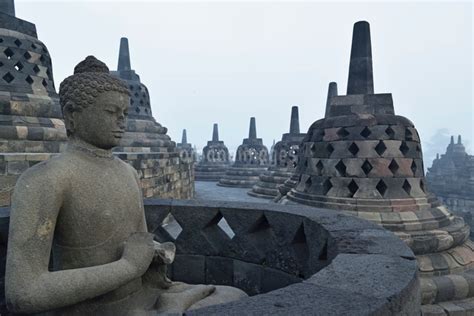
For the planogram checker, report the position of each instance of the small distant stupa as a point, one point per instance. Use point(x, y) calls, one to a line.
point(146, 146)
point(251, 160)
point(215, 159)
point(284, 161)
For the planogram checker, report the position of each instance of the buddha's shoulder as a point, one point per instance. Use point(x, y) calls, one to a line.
point(56, 168)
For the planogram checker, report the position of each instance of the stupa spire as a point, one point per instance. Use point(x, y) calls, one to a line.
point(124, 55)
point(361, 80)
point(332, 92)
point(184, 139)
point(7, 7)
point(295, 121)
point(215, 133)
point(252, 129)
point(459, 140)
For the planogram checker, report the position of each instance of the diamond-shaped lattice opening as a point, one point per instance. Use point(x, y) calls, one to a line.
point(422, 185)
point(330, 149)
point(404, 148)
point(171, 226)
point(306, 164)
point(137, 109)
point(17, 42)
point(353, 149)
point(406, 186)
point(380, 148)
point(44, 83)
point(320, 134)
point(342, 132)
point(136, 94)
point(308, 183)
point(418, 148)
point(131, 101)
point(18, 66)
point(48, 73)
point(366, 167)
point(414, 167)
point(1, 40)
point(341, 168)
point(130, 87)
point(353, 187)
point(45, 50)
point(313, 148)
point(390, 132)
point(36, 69)
point(299, 244)
point(381, 187)
point(29, 79)
point(320, 167)
point(393, 166)
point(141, 102)
point(27, 55)
point(327, 185)
point(8, 77)
point(365, 132)
point(408, 134)
point(226, 228)
point(42, 58)
point(1, 64)
point(34, 46)
point(9, 53)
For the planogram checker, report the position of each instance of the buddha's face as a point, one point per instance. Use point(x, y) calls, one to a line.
point(102, 124)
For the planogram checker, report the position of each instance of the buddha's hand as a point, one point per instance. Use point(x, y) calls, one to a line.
point(139, 251)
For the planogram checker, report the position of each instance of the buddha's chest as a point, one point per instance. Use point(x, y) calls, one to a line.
point(103, 206)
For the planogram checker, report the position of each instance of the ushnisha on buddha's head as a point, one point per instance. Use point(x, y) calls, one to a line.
point(94, 104)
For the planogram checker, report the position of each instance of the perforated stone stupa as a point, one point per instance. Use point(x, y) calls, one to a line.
point(146, 146)
point(451, 178)
point(251, 159)
point(215, 159)
point(186, 150)
point(294, 178)
point(365, 160)
point(284, 161)
point(31, 125)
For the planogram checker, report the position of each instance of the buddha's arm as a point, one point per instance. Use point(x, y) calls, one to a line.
point(30, 287)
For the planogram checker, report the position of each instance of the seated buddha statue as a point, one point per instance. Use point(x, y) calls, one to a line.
point(78, 241)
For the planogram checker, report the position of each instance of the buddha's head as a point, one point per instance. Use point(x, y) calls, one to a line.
point(94, 104)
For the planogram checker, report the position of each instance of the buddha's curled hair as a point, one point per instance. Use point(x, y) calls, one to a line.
point(91, 77)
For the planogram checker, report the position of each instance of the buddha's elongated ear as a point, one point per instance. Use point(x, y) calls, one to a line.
point(68, 111)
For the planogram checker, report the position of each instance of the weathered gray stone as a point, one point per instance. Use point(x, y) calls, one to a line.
point(104, 262)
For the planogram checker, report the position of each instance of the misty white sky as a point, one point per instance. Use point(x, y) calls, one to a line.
point(206, 62)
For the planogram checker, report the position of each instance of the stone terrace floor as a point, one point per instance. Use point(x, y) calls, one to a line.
point(211, 191)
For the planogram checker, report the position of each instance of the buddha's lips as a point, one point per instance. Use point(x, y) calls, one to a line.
point(118, 134)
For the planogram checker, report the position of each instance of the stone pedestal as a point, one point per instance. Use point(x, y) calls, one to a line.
point(251, 160)
point(364, 160)
point(146, 146)
point(31, 125)
point(284, 161)
point(215, 159)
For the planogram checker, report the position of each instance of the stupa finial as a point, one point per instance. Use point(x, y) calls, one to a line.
point(184, 139)
point(295, 121)
point(252, 129)
point(124, 55)
point(332, 92)
point(361, 80)
point(7, 7)
point(215, 133)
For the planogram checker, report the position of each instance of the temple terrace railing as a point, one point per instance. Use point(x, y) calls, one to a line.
point(292, 260)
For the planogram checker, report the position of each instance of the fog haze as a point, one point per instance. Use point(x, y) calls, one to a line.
point(210, 62)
